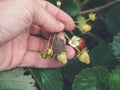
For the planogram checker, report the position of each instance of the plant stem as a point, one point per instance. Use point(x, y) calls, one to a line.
point(97, 38)
point(100, 8)
point(54, 36)
point(84, 2)
point(48, 44)
point(72, 33)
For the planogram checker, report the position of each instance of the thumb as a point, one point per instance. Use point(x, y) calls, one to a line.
point(46, 20)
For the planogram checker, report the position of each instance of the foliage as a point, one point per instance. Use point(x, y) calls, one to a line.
point(112, 21)
point(96, 78)
point(16, 80)
point(103, 55)
point(116, 46)
point(115, 79)
point(48, 79)
point(101, 33)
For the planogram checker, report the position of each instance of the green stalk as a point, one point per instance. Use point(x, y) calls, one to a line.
point(97, 38)
point(100, 7)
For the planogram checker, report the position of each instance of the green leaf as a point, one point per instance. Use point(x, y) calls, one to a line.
point(48, 79)
point(95, 78)
point(103, 55)
point(69, 6)
point(81, 21)
point(78, 3)
point(15, 80)
point(116, 46)
point(115, 79)
point(113, 19)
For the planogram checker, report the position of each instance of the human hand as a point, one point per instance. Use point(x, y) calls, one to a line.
point(20, 19)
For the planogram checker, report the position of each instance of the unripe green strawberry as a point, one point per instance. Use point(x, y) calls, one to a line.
point(62, 57)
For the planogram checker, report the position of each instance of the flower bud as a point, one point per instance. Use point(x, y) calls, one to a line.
point(47, 53)
point(50, 52)
point(44, 55)
point(92, 17)
point(58, 3)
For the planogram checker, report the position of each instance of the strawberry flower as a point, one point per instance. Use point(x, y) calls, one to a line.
point(75, 41)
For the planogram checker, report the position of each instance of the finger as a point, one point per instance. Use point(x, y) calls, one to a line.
point(36, 30)
point(36, 44)
point(70, 52)
point(33, 59)
point(61, 36)
point(45, 33)
point(46, 20)
point(59, 14)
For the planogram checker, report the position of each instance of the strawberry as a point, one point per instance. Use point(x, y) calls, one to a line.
point(82, 44)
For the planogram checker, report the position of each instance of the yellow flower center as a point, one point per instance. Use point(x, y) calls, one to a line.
point(74, 41)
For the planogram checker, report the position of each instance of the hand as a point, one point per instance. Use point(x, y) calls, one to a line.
point(20, 19)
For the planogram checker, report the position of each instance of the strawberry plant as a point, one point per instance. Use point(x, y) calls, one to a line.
point(96, 40)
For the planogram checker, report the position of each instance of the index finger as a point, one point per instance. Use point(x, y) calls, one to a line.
point(58, 14)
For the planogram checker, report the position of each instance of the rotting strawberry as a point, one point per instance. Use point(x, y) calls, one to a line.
point(59, 50)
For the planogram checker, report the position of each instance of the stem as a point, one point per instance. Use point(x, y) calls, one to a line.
point(100, 8)
point(69, 39)
point(84, 2)
point(54, 36)
point(97, 38)
point(72, 33)
point(48, 44)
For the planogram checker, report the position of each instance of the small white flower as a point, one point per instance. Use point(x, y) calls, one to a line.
point(75, 41)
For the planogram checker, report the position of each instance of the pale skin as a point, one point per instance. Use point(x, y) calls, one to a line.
point(21, 18)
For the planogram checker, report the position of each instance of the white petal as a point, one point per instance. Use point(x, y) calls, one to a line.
point(77, 44)
point(73, 45)
point(76, 38)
